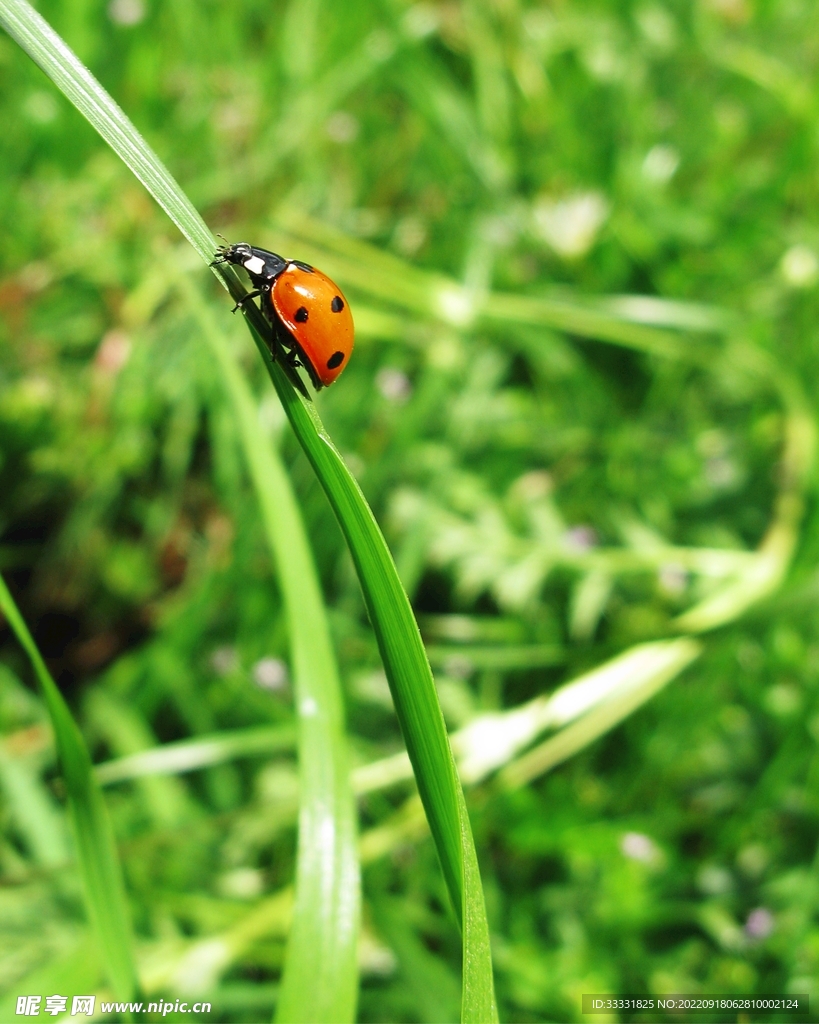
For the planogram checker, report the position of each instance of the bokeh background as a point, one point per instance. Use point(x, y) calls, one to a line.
point(493, 184)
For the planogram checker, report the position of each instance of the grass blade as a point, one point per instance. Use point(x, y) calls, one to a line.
point(200, 752)
point(633, 678)
point(320, 980)
point(764, 573)
point(321, 975)
point(31, 807)
point(96, 851)
point(399, 641)
point(412, 686)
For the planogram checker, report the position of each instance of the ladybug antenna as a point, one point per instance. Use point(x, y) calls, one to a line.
point(219, 256)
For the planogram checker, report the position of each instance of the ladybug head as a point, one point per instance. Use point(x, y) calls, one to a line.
point(238, 253)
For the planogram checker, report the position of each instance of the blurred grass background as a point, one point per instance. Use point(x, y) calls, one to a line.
point(451, 164)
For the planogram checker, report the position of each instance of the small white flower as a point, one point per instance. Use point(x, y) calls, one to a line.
point(637, 846)
point(570, 225)
point(270, 674)
point(126, 12)
point(393, 384)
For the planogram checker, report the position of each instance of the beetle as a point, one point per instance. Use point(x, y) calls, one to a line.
point(306, 309)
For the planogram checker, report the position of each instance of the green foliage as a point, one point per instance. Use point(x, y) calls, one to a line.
point(319, 976)
point(579, 243)
point(97, 859)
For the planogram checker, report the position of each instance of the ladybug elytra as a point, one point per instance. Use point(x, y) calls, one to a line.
point(305, 308)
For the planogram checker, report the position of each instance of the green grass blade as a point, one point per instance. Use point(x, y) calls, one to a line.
point(635, 677)
point(413, 691)
point(411, 683)
point(478, 658)
point(433, 983)
point(320, 980)
point(31, 807)
point(398, 638)
point(200, 752)
point(96, 851)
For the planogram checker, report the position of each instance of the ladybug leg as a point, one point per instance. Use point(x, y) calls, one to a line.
point(280, 353)
point(283, 354)
point(282, 344)
point(247, 298)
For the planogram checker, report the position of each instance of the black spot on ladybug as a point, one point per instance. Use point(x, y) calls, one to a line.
point(336, 359)
point(337, 304)
point(301, 315)
point(302, 266)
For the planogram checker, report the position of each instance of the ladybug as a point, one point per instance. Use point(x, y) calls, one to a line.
point(310, 317)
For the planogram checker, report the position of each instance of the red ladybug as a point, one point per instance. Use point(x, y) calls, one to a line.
point(314, 317)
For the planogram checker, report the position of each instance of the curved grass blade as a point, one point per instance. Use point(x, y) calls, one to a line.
point(96, 851)
point(399, 641)
point(764, 573)
point(322, 954)
point(320, 979)
point(633, 678)
point(410, 678)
